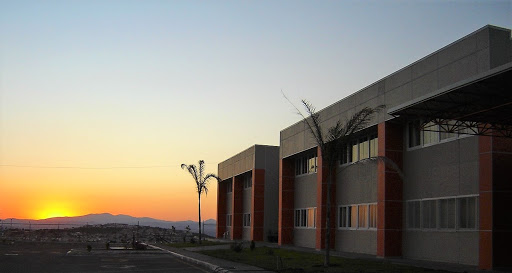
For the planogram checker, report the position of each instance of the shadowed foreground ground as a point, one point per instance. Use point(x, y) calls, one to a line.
point(74, 257)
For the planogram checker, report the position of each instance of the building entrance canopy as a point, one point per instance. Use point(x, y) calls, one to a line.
point(481, 105)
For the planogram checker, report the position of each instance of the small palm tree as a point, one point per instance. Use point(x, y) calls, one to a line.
point(201, 180)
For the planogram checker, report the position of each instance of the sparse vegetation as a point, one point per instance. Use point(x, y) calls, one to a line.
point(237, 247)
point(294, 261)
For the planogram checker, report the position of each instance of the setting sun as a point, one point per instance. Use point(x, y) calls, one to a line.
point(54, 210)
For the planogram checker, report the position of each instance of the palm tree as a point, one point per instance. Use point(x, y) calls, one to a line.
point(330, 143)
point(201, 180)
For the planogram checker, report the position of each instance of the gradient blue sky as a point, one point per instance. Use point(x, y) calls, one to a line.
point(159, 83)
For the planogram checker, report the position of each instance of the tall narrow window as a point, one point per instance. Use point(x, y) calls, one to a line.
point(373, 216)
point(229, 219)
point(363, 216)
point(429, 213)
point(247, 220)
point(345, 218)
point(467, 209)
point(447, 213)
point(414, 133)
point(413, 214)
point(364, 148)
point(374, 146)
point(430, 133)
point(355, 153)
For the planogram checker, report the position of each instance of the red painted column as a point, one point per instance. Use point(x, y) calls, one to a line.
point(389, 191)
point(221, 209)
point(258, 204)
point(286, 201)
point(321, 204)
point(237, 205)
point(495, 189)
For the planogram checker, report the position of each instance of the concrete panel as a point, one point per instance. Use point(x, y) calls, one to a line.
point(357, 241)
point(457, 71)
point(229, 205)
point(356, 183)
point(247, 202)
point(304, 237)
point(482, 39)
point(500, 45)
point(457, 50)
point(424, 84)
point(451, 247)
point(305, 191)
point(246, 233)
point(483, 60)
point(424, 66)
point(398, 79)
point(271, 191)
point(445, 169)
point(398, 95)
point(367, 94)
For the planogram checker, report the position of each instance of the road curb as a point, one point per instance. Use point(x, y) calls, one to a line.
point(207, 265)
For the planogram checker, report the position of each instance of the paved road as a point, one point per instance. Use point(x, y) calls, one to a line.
point(62, 257)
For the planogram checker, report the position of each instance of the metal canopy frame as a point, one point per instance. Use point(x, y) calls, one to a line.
point(481, 105)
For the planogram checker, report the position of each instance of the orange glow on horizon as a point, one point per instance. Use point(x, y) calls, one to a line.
point(54, 209)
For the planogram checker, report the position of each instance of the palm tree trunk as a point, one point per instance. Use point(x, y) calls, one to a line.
point(328, 219)
point(200, 219)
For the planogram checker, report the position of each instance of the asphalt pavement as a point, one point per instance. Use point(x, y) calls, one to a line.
point(68, 257)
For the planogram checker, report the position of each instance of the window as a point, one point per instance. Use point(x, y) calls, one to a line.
point(414, 133)
point(363, 148)
point(443, 213)
point(306, 164)
point(363, 216)
point(229, 220)
point(374, 146)
point(429, 208)
point(433, 133)
point(373, 216)
point(344, 217)
point(247, 219)
point(430, 134)
point(229, 186)
point(355, 151)
point(447, 213)
point(305, 217)
point(358, 216)
point(467, 208)
point(413, 214)
point(247, 181)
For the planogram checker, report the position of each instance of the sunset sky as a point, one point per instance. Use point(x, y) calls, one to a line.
point(101, 101)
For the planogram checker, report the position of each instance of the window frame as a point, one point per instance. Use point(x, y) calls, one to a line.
point(301, 218)
point(246, 220)
point(354, 214)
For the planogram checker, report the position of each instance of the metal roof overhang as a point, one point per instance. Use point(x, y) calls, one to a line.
point(482, 103)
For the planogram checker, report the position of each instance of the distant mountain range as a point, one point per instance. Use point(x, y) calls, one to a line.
point(107, 218)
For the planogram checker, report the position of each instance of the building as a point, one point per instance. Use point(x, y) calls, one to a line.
point(248, 194)
point(447, 128)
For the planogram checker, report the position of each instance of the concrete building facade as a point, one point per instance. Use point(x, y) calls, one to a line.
point(247, 196)
point(427, 179)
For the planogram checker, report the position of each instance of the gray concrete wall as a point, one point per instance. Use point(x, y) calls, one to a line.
point(464, 58)
point(452, 247)
point(356, 183)
point(444, 169)
point(271, 167)
point(229, 204)
point(247, 198)
point(238, 164)
point(358, 241)
point(305, 191)
point(246, 233)
point(304, 237)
